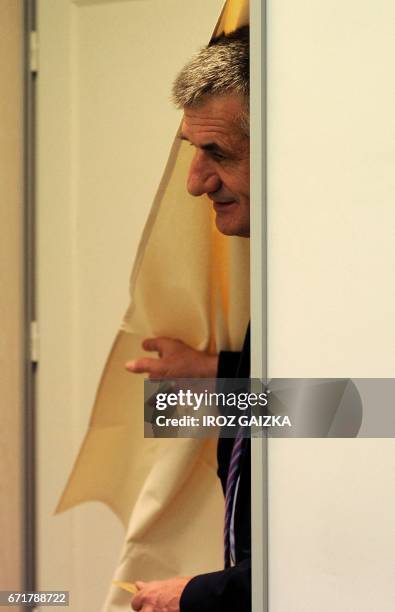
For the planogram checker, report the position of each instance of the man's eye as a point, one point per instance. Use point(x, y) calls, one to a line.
point(217, 155)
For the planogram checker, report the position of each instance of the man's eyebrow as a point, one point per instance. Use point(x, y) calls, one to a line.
point(211, 147)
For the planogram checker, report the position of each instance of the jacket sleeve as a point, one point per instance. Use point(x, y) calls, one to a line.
point(228, 362)
point(228, 590)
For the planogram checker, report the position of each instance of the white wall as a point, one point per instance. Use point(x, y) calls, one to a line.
point(331, 253)
point(105, 125)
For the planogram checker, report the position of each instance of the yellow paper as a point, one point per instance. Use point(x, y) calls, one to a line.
point(126, 586)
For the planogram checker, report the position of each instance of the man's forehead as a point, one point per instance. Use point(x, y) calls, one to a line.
point(198, 132)
point(217, 118)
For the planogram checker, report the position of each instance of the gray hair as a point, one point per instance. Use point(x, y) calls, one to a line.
point(220, 68)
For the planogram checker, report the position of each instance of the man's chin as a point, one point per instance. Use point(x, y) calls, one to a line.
point(231, 227)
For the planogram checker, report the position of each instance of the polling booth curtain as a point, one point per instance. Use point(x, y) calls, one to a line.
point(192, 283)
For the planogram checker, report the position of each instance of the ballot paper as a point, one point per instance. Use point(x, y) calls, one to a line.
point(126, 586)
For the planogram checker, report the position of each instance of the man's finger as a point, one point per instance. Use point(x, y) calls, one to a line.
point(140, 584)
point(161, 344)
point(145, 364)
point(138, 600)
point(151, 344)
point(136, 603)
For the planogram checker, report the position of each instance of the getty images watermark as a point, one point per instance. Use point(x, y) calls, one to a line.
point(281, 407)
point(226, 402)
point(208, 407)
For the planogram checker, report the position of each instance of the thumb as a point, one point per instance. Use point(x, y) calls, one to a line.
point(138, 366)
point(140, 584)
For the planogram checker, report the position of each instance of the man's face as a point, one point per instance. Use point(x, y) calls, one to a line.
point(221, 165)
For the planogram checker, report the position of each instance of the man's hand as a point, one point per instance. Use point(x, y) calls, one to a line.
point(159, 596)
point(176, 360)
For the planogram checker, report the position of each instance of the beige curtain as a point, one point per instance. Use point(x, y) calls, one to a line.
point(192, 283)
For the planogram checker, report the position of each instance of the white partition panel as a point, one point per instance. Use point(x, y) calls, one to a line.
point(331, 295)
point(258, 296)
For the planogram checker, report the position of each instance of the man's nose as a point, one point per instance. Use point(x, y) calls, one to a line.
point(202, 176)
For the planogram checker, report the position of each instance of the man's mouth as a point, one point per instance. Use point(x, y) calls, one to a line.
point(221, 206)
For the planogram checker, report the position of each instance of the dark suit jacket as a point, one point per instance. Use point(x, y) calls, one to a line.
point(229, 590)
